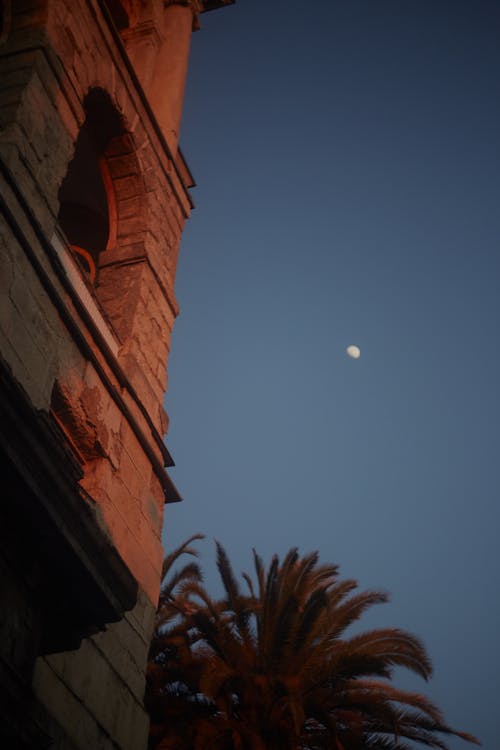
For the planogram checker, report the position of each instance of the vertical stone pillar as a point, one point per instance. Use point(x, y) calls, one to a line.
point(142, 43)
point(166, 90)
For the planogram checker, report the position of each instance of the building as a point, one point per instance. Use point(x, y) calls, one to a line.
point(94, 193)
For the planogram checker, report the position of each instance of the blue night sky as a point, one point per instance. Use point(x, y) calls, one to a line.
point(347, 159)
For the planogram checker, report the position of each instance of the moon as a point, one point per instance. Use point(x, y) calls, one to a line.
point(353, 351)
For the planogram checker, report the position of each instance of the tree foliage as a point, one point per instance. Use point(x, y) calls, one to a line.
point(271, 666)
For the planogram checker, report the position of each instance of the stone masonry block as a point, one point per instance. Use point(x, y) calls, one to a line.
point(135, 453)
point(107, 676)
point(130, 225)
point(146, 559)
point(122, 166)
point(134, 480)
point(153, 513)
point(127, 187)
point(55, 687)
point(142, 616)
point(33, 372)
point(128, 207)
point(134, 538)
point(143, 384)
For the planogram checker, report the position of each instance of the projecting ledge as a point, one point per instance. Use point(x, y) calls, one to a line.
point(82, 584)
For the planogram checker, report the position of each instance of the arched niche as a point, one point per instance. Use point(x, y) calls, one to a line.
point(87, 205)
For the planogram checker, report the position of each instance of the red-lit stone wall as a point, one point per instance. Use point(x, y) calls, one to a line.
point(95, 359)
point(135, 288)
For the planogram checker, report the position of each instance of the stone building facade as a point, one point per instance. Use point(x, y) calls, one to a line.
point(94, 193)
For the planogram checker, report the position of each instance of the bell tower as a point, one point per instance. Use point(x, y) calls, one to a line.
point(94, 194)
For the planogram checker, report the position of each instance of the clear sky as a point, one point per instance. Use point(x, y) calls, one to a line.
point(347, 160)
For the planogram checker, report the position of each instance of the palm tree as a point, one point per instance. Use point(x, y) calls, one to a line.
point(272, 668)
point(170, 665)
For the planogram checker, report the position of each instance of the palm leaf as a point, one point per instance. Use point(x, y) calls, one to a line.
point(274, 669)
point(182, 549)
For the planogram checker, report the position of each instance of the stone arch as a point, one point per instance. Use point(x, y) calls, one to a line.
point(122, 175)
point(87, 212)
point(120, 265)
point(102, 201)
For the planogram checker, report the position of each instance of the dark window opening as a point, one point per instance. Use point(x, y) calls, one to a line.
point(83, 195)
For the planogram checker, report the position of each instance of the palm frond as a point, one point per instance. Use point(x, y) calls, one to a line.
point(314, 608)
point(357, 690)
point(227, 576)
point(343, 615)
point(190, 571)
point(392, 646)
point(274, 668)
point(182, 549)
point(249, 583)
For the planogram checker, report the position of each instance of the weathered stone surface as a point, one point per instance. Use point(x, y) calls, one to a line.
point(91, 359)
